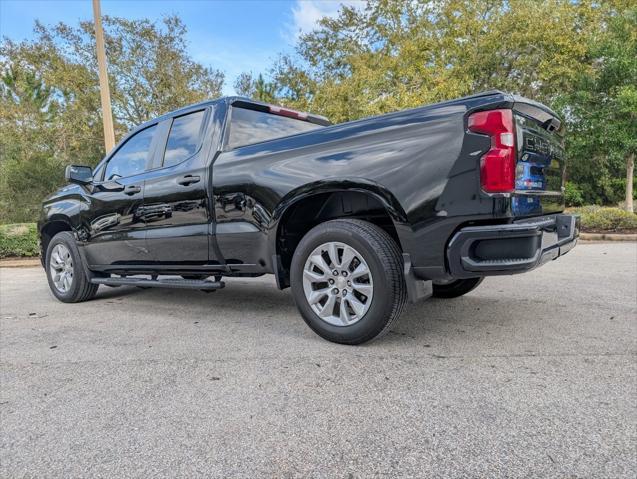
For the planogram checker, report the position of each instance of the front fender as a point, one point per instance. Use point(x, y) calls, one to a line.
point(66, 206)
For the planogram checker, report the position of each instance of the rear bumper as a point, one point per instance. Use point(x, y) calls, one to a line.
point(511, 248)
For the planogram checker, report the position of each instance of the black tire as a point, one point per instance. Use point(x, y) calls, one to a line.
point(81, 289)
point(384, 259)
point(456, 288)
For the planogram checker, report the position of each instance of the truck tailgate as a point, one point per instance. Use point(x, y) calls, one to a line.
point(539, 177)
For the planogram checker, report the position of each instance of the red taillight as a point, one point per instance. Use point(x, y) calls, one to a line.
point(497, 166)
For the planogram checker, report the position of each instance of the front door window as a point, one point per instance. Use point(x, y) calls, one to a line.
point(132, 156)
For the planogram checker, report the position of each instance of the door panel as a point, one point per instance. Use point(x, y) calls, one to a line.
point(177, 216)
point(176, 206)
point(117, 230)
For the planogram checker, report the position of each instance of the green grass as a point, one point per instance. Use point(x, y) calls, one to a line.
point(604, 219)
point(20, 239)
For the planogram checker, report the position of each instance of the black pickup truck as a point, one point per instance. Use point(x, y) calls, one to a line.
point(356, 218)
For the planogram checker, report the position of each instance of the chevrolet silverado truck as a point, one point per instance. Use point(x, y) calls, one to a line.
point(357, 218)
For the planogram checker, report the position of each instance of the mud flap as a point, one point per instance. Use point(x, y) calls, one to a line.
point(417, 289)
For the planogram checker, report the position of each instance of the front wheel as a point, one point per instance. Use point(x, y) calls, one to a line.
point(65, 272)
point(455, 288)
point(347, 281)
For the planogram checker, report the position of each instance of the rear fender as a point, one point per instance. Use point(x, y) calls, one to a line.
point(377, 191)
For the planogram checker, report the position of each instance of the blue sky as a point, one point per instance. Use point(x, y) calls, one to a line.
point(233, 36)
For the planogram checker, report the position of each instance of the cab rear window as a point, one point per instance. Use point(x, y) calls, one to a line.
point(251, 126)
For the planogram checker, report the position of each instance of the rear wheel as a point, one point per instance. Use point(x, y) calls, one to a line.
point(455, 288)
point(65, 272)
point(347, 281)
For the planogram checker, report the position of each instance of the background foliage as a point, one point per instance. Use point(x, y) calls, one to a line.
point(50, 113)
point(605, 219)
point(577, 56)
point(19, 240)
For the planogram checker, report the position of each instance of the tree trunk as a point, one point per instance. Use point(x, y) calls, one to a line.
point(630, 169)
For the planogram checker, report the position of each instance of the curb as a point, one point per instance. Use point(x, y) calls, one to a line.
point(607, 237)
point(19, 262)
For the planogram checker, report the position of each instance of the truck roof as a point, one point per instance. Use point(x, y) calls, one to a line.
point(244, 102)
point(534, 108)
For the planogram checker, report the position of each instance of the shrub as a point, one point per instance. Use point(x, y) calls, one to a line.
point(601, 218)
point(19, 239)
point(573, 194)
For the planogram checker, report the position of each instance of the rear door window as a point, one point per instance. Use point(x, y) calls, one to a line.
point(183, 138)
point(251, 126)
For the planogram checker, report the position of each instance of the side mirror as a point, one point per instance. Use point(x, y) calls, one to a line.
point(82, 175)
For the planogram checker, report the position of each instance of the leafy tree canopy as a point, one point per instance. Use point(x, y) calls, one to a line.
point(399, 54)
point(259, 89)
point(601, 111)
point(578, 56)
point(50, 112)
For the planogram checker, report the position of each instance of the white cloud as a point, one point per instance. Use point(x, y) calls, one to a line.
point(307, 13)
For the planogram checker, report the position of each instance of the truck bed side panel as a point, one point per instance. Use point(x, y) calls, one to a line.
point(412, 154)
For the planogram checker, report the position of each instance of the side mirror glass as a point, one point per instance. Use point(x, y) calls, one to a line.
point(82, 175)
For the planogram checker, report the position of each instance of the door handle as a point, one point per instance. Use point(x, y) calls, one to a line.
point(188, 180)
point(132, 189)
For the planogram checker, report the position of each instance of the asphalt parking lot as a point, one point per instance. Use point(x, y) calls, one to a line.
point(528, 376)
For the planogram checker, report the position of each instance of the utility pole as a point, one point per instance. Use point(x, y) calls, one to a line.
point(105, 94)
point(630, 171)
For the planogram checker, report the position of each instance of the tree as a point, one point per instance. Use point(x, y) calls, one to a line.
point(259, 89)
point(38, 136)
point(150, 71)
point(243, 85)
point(49, 98)
point(602, 113)
point(577, 56)
point(398, 54)
point(23, 87)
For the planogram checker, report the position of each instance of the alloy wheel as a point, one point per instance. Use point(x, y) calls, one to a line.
point(61, 268)
point(338, 283)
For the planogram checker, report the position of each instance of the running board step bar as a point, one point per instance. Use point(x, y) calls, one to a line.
point(174, 283)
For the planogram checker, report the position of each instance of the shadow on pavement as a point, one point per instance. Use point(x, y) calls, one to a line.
point(256, 301)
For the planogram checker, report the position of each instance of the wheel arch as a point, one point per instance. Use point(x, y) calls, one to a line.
point(305, 207)
point(49, 229)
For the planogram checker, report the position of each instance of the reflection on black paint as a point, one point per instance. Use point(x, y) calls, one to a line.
point(420, 164)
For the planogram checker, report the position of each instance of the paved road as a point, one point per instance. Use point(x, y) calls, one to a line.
point(528, 376)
